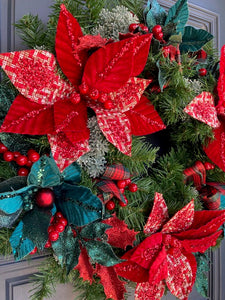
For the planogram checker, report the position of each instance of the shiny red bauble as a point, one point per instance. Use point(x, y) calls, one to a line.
point(22, 172)
point(201, 54)
point(33, 156)
point(53, 236)
point(132, 187)
point(209, 166)
point(158, 36)
point(59, 227)
point(8, 156)
point(133, 26)
point(3, 148)
point(202, 72)
point(63, 221)
point(121, 184)
point(156, 29)
point(143, 27)
point(44, 197)
point(110, 205)
point(21, 160)
point(48, 244)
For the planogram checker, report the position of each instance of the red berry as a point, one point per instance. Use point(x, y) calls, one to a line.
point(110, 205)
point(94, 94)
point(121, 203)
point(22, 172)
point(59, 227)
point(156, 29)
point(143, 27)
point(202, 72)
point(30, 151)
point(33, 156)
point(16, 154)
point(159, 36)
point(108, 104)
point(75, 98)
point(122, 190)
point(83, 88)
point(33, 251)
point(121, 184)
point(74, 233)
point(132, 187)
point(128, 181)
point(3, 148)
point(201, 54)
point(133, 26)
point(8, 156)
point(51, 228)
point(48, 244)
point(53, 236)
point(63, 221)
point(29, 163)
point(44, 197)
point(58, 215)
point(209, 166)
point(21, 160)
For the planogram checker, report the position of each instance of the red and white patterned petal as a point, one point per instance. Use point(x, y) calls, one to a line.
point(203, 109)
point(34, 74)
point(64, 152)
point(181, 221)
point(180, 276)
point(158, 216)
point(115, 126)
point(129, 95)
point(147, 291)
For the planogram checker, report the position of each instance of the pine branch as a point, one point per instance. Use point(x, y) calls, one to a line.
point(5, 247)
point(135, 6)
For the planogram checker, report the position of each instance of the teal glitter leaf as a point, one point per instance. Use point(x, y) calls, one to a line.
point(36, 225)
point(44, 173)
point(72, 174)
point(201, 281)
point(194, 39)
point(178, 14)
point(94, 230)
point(67, 249)
point(101, 253)
point(155, 14)
point(21, 247)
point(77, 203)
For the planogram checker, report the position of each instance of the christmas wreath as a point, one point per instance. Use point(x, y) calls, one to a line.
point(112, 149)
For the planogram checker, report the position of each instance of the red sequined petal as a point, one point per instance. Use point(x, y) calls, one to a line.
point(180, 277)
point(159, 215)
point(64, 152)
point(215, 150)
point(129, 95)
point(181, 221)
point(221, 81)
point(148, 291)
point(132, 271)
point(202, 108)
point(26, 117)
point(144, 119)
point(33, 72)
point(158, 270)
point(84, 266)
point(67, 35)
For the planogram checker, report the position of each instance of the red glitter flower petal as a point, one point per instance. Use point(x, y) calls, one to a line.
point(147, 291)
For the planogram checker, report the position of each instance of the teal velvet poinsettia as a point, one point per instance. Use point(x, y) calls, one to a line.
point(77, 204)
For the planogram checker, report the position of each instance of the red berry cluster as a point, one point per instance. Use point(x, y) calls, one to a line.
point(122, 185)
point(202, 72)
point(209, 166)
point(135, 26)
point(95, 95)
point(23, 161)
point(57, 225)
point(157, 32)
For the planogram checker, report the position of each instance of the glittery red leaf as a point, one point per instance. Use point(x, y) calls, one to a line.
point(119, 235)
point(147, 291)
point(215, 150)
point(132, 271)
point(158, 270)
point(129, 95)
point(221, 81)
point(68, 32)
point(202, 108)
point(34, 74)
point(116, 128)
point(144, 119)
point(113, 286)
point(27, 117)
point(64, 152)
point(159, 215)
point(109, 68)
point(201, 244)
point(148, 250)
point(72, 120)
point(181, 221)
point(180, 277)
point(84, 266)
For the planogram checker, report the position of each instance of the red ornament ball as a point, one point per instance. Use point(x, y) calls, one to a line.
point(121, 184)
point(51, 228)
point(156, 29)
point(48, 244)
point(201, 54)
point(8, 156)
point(29, 164)
point(143, 27)
point(133, 26)
point(63, 221)
point(110, 205)
point(202, 72)
point(16, 154)
point(21, 160)
point(159, 36)
point(122, 190)
point(128, 181)
point(33, 251)
point(59, 227)
point(22, 172)
point(209, 166)
point(3, 148)
point(44, 197)
point(132, 187)
point(33, 156)
point(53, 236)
point(58, 215)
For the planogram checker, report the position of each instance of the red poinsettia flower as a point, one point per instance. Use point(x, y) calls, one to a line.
point(101, 75)
point(165, 257)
